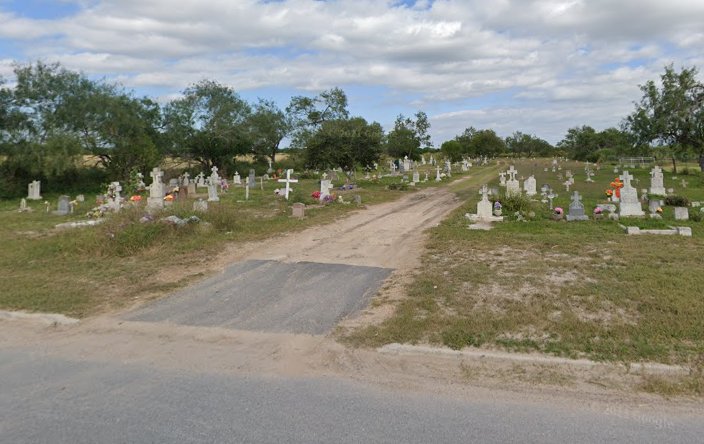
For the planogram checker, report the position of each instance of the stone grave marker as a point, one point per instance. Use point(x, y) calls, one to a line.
point(156, 189)
point(513, 187)
point(237, 179)
point(64, 206)
point(34, 190)
point(200, 205)
point(576, 209)
point(630, 205)
point(529, 185)
point(252, 179)
point(299, 210)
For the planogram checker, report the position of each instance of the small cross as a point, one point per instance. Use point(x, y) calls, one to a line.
point(484, 192)
point(626, 178)
point(288, 181)
point(512, 172)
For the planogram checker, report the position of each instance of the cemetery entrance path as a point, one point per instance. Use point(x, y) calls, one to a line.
point(239, 354)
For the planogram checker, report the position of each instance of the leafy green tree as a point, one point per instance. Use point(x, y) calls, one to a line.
point(452, 149)
point(308, 114)
point(409, 136)
point(527, 145)
point(269, 126)
point(345, 143)
point(671, 114)
point(209, 124)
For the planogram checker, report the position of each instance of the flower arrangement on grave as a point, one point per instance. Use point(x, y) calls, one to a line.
point(136, 198)
point(330, 198)
point(497, 208)
point(616, 185)
point(598, 211)
point(559, 211)
point(169, 197)
point(315, 195)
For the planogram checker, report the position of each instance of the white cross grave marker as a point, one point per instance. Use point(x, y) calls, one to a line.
point(288, 181)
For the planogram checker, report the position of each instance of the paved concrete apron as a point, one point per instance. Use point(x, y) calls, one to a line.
point(303, 297)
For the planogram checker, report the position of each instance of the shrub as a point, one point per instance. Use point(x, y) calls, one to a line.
point(677, 201)
point(403, 186)
point(516, 203)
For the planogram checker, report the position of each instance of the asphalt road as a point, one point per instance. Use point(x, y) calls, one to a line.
point(50, 400)
point(302, 297)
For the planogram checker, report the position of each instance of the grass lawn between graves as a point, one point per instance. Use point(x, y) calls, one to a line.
point(574, 289)
point(84, 271)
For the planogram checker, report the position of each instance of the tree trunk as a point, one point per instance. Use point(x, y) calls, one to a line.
point(701, 161)
point(674, 165)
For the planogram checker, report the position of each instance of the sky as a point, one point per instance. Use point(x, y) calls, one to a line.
point(535, 66)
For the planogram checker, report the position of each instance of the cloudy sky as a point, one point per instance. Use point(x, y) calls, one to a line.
point(536, 66)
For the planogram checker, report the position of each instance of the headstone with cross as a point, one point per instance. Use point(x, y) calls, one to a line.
point(630, 205)
point(576, 210)
point(156, 189)
point(288, 181)
point(551, 195)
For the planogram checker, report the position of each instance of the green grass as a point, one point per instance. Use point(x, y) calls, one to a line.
point(79, 272)
point(578, 289)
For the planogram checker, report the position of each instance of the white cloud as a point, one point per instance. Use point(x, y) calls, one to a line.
point(548, 58)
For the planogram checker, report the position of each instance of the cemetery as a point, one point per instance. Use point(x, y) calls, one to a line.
point(529, 255)
point(570, 283)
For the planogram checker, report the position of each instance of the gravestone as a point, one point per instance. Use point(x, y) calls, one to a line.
point(406, 164)
point(630, 205)
point(200, 180)
point(200, 205)
point(448, 168)
point(298, 210)
point(64, 206)
point(513, 187)
point(156, 189)
point(416, 176)
point(681, 213)
point(576, 210)
point(530, 185)
point(23, 206)
point(484, 209)
point(502, 179)
point(34, 190)
point(288, 181)
point(173, 183)
point(437, 173)
point(657, 185)
point(325, 187)
point(213, 191)
point(114, 202)
point(252, 179)
point(237, 179)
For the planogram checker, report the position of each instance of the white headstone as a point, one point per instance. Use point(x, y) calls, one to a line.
point(34, 190)
point(437, 173)
point(630, 205)
point(530, 186)
point(325, 187)
point(657, 185)
point(484, 209)
point(513, 187)
point(156, 189)
point(237, 179)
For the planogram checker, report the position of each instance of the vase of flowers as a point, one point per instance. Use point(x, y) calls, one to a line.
point(497, 208)
point(558, 213)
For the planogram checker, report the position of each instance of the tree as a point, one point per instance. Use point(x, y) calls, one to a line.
point(37, 139)
point(308, 114)
point(485, 143)
point(269, 126)
point(408, 136)
point(527, 145)
point(671, 114)
point(452, 149)
point(209, 125)
point(345, 143)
